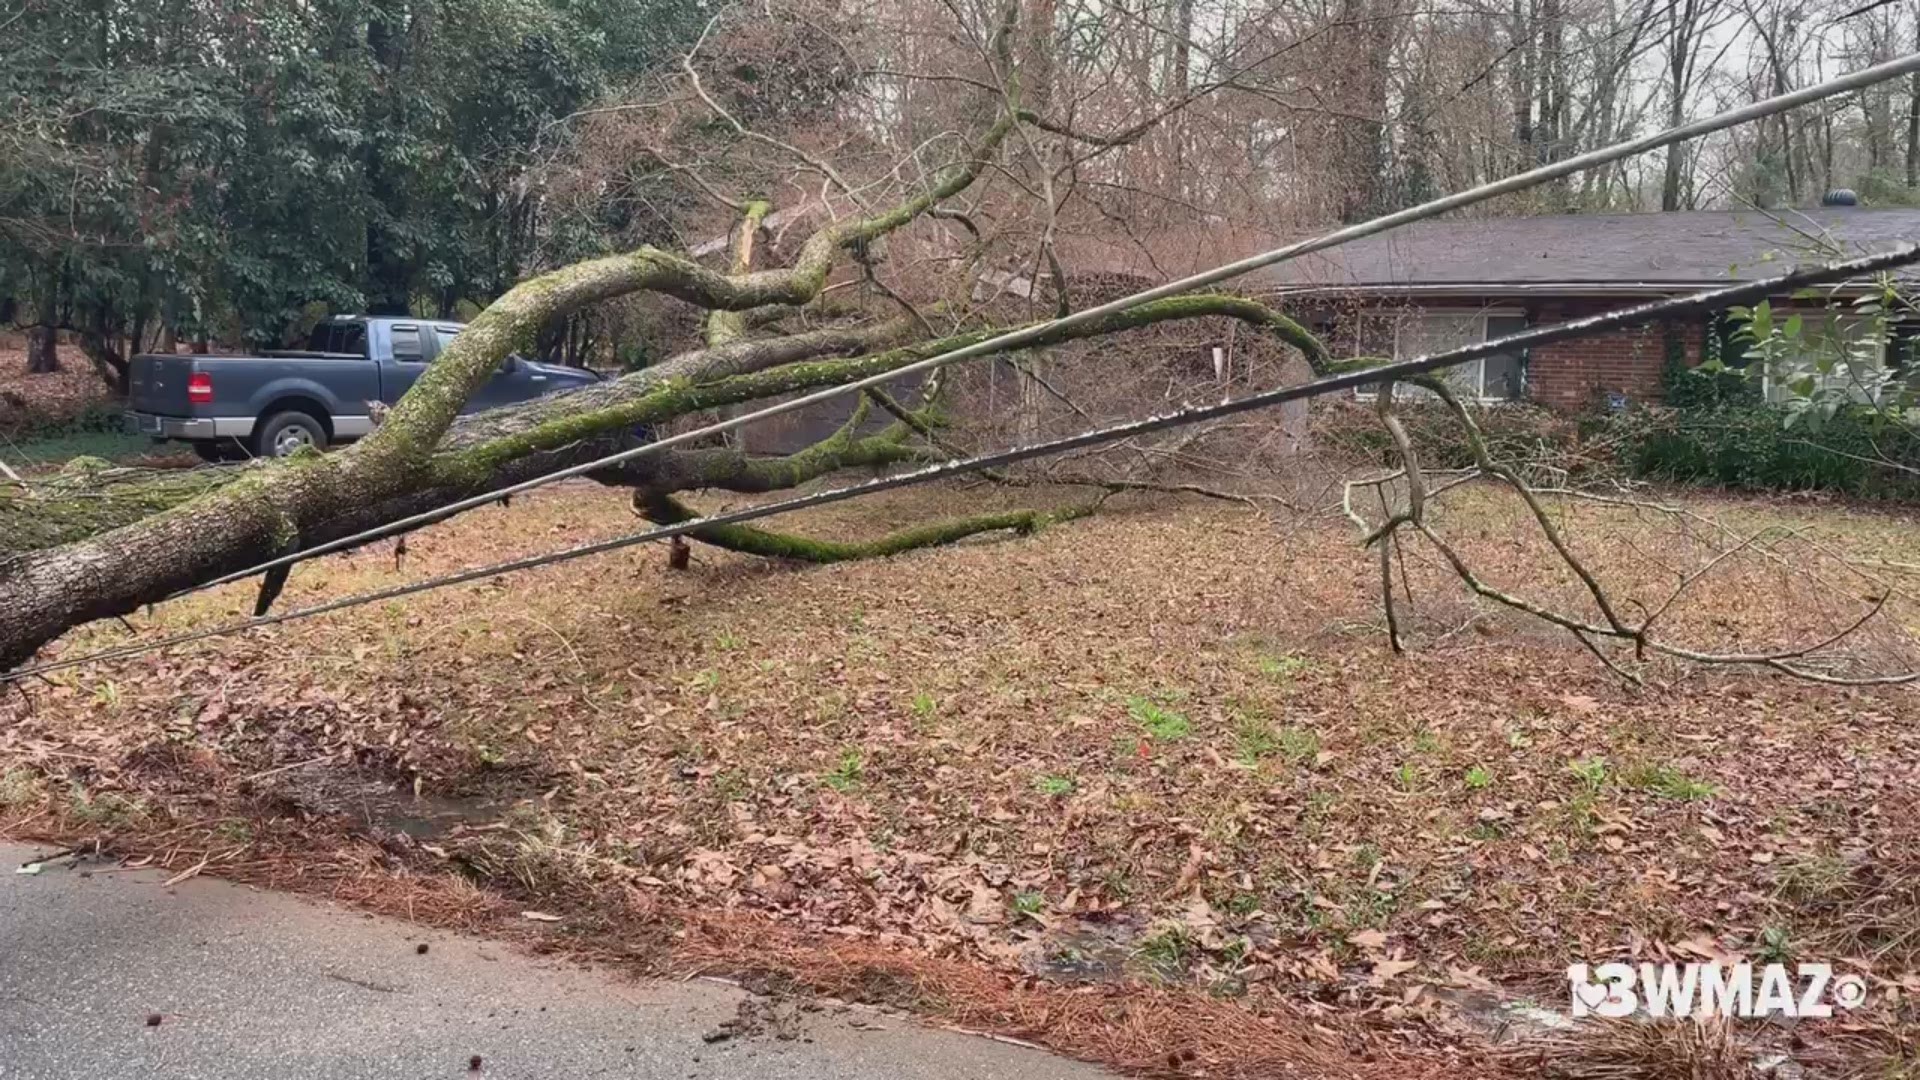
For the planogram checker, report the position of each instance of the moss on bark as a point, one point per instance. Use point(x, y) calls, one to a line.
point(777, 545)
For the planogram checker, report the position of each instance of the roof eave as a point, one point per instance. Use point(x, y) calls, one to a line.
point(1530, 288)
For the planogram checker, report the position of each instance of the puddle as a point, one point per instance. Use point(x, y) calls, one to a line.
point(384, 809)
point(1082, 952)
point(430, 817)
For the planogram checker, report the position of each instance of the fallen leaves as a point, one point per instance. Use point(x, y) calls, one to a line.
point(1308, 835)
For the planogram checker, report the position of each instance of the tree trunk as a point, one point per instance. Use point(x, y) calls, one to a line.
point(1913, 113)
point(42, 359)
point(1680, 51)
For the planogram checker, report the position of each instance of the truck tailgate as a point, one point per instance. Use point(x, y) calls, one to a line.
point(158, 384)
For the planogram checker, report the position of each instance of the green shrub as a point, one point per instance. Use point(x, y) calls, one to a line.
point(1694, 389)
point(1752, 447)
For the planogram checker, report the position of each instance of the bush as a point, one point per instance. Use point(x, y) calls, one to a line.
point(1751, 446)
point(1693, 389)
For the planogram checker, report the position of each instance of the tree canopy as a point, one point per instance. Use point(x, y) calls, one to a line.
point(217, 169)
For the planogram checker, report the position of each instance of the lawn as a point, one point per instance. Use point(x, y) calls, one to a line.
point(1149, 786)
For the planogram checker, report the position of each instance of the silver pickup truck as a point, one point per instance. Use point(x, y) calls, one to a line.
point(276, 403)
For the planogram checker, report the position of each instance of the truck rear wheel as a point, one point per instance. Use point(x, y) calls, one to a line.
point(287, 433)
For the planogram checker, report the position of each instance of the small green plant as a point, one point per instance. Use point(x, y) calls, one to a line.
point(1243, 904)
point(234, 831)
point(107, 809)
point(1160, 721)
point(107, 695)
point(1776, 947)
point(1166, 951)
point(1299, 746)
point(924, 706)
point(1029, 903)
point(728, 641)
point(19, 787)
point(846, 776)
point(1582, 813)
point(1319, 808)
point(1591, 772)
point(1407, 776)
point(1479, 779)
point(1054, 786)
point(1284, 668)
point(1426, 742)
point(1254, 740)
point(1668, 783)
point(707, 681)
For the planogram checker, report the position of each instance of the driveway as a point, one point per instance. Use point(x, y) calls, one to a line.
point(106, 973)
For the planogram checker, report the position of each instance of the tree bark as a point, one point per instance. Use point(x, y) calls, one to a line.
point(42, 359)
point(1913, 113)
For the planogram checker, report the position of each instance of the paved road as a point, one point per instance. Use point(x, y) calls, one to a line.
point(251, 984)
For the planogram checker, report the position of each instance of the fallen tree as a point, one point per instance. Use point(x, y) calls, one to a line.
point(96, 543)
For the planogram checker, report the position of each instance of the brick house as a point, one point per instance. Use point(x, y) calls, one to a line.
point(1441, 284)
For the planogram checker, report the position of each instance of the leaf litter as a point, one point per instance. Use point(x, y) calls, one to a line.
point(1157, 748)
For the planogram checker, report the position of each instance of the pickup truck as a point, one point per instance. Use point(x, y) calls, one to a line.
point(277, 403)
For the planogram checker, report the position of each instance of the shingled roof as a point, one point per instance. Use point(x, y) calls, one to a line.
point(1595, 253)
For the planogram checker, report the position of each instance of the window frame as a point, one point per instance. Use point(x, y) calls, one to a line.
point(1478, 314)
point(420, 356)
point(1827, 382)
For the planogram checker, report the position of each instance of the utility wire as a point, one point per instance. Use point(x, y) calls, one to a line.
point(1713, 300)
point(1518, 182)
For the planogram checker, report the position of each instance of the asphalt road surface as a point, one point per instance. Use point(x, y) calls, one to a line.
point(252, 984)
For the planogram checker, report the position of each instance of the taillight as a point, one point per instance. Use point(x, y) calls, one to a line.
point(200, 388)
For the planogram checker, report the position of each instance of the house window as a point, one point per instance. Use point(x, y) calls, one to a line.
point(1842, 354)
point(1500, 377)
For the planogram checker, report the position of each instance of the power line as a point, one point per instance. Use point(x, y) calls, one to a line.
point(1713, 300)
point(1000, 343)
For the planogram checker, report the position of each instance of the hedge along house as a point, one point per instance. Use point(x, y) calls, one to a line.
point(1435, 285)
point(1441, 284)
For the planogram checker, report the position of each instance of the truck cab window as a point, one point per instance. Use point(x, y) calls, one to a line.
point(333, 337)
point(406, 344)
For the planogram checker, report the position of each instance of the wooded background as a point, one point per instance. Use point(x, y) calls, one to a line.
point(226, 170)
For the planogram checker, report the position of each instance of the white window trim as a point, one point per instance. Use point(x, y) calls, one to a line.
point(1480, 365)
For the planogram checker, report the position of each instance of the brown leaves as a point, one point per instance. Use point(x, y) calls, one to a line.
point(1310, 837)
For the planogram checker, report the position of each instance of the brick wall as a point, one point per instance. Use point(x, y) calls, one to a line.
point(1581, 373)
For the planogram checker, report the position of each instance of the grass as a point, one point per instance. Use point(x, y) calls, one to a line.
point(1299, 746)
point(953, 748)
point(1667, 782)
point(1054, 786)
point(56, 449)
point(846, 776)
point(20, 787)
point(1283, 668)
point(1592, 773)
point(1157, 719)
point(1166, 951)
